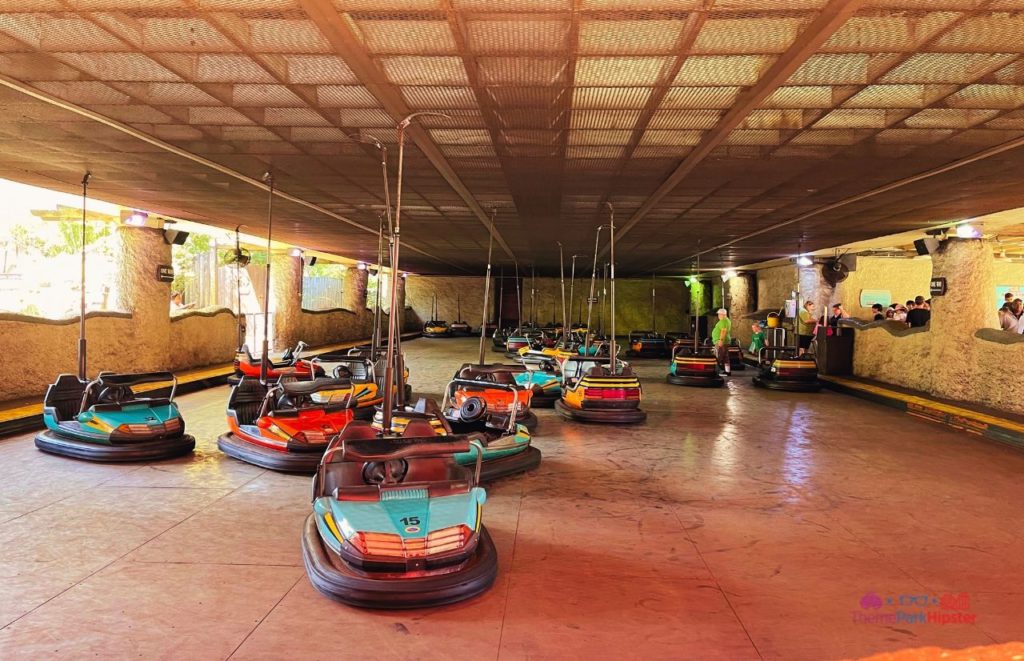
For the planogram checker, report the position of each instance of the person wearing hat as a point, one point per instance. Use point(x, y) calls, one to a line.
point(721, 335)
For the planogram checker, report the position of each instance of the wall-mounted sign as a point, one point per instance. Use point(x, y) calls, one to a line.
point(869, 297)
point(165, 273)
point(938, 286)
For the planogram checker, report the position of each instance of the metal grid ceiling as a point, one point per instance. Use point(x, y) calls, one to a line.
point(701, 121)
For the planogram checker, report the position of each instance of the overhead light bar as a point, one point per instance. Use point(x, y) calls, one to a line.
point(804, 260)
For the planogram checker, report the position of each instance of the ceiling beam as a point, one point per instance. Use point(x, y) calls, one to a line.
point(328, 20)
point(831, 18)
point(942, 169)
point(19, 86)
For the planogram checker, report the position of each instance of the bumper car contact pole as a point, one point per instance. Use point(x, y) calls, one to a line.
point(375, 338)
point(561, 277)
point(590, 299)
point(390, 375)
point(487, 285)
point(268, 179)
point(81, 312)
point(519, 303)
point(611, 258)
point(654, 315)
point(371, 140)
point(572, 286)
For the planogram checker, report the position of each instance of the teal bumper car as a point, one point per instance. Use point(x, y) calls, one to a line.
point(109, 420)
point(544, 377)
point(397, 521)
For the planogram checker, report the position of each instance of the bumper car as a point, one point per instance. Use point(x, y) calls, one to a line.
point(285, 426)
point(499, 338)
point(691, 367)
point(520, 341)
point(544, 377)
point(596, 347)
point(291, 364)
point(106, 419)
point(780, 368)
point(396, 521)
point(460, 329)
point(506, 452)
point(647, 344)
point(673, 338)
point(591, 393)
point(367, 380)
point(736, 356)
point(484, 396)
point(435, 328)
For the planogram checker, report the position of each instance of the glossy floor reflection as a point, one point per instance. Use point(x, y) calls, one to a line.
point(736, 524)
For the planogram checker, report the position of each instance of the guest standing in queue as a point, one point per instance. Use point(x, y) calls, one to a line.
point(877, 313)
point(721, 335)
point(806, 325)
point(918, 315)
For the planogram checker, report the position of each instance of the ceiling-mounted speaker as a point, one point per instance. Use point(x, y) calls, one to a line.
point(175, 237)
point(926, 246)
point(311, 261)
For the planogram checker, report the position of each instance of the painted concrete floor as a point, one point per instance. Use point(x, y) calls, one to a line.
point(736, 524)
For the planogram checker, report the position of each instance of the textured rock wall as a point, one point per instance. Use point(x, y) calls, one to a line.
point(774, 286)
point(35, 353)
point(450, 291)
point(149, 339)
point(319, 328)
point(632, 299)
point(948, 360)
point(199, 340)
point(905, 278)
point(1005, 272)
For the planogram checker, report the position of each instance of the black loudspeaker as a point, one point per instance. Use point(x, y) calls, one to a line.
point(311, 261)
point(926, 246)
point(175, 237)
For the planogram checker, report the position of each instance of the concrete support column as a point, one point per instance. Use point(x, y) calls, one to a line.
point(739, 301)
point(717, 294)
point(740, 295)
point(285, 300)
point(148, 299)
point(814, 288)
point(354, 297)
point(967, 265)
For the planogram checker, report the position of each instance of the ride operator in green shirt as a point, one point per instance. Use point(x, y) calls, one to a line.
point(722, 337)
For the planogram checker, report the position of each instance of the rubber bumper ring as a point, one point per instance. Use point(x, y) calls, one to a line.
point(607, 416)
point(695, 381)
point(519, 462)
point(333, 578)
point(166, 448)
point(257, 455)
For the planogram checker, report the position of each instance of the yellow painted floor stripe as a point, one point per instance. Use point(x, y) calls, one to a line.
point(925, 402)
point(20, 409)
